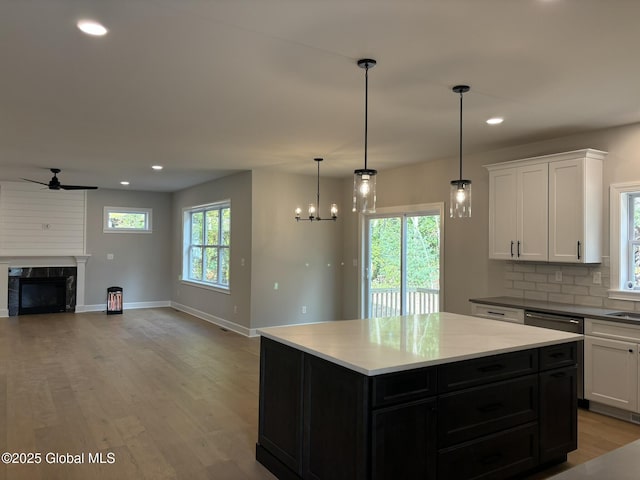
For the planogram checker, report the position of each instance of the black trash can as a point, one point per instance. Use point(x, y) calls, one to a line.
point(114, 300)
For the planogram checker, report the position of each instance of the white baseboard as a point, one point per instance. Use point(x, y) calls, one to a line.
point(234, 327)
point(4, 312)
point(101, 307)
point(614, 412)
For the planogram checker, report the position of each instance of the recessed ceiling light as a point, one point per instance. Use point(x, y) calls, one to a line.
point(91, 27)
point(124, 182)
point(157, 167)
point(495, 121)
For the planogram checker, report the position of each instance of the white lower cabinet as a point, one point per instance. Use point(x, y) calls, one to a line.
point(612, 364)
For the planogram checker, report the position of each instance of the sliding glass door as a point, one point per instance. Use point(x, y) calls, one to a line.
point(403, 263)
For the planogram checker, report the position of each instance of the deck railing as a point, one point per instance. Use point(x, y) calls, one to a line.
point(387, 302)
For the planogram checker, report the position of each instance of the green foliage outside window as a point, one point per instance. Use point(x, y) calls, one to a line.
point(210, 238)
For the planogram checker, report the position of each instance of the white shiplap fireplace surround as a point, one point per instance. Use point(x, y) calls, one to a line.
point(78, 261)
point(41, 228)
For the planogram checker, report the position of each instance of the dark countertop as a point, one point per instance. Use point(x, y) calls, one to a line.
point(556, 308)
point(620, 464)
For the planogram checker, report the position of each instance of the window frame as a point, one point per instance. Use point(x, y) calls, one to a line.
point(620, 244)
point(148, 212)
point(188, 246)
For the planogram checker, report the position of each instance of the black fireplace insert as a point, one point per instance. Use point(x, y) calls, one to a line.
point(42, 295)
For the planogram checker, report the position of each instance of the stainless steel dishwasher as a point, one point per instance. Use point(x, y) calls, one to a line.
point(564, 323)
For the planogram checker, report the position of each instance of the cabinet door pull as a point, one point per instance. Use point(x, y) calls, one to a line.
point(518, 250)
point(511, 249)
point(578, 249)
point(491, 407)
point(630, 350)
point(491, 368)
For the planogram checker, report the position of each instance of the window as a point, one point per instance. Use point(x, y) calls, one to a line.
point(124, 219)
point(625, 241)
point(207, 241)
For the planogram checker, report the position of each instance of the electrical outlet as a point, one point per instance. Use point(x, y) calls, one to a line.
point(276, 286)
point(304, 309)
point(110, 256)
point(597, 278)
point(558, 276)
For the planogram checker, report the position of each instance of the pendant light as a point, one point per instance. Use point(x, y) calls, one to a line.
point(460, 204)
point(313, 210)
point(364, 179)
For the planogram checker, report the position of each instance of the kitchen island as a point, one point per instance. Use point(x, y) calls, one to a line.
point(425, 396)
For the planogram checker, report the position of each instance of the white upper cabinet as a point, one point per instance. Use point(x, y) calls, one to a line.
point(518, 212)
point(575, 209)
point(547, 208)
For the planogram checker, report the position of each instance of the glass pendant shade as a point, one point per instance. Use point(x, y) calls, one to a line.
point(460, 202)
point(364, 191)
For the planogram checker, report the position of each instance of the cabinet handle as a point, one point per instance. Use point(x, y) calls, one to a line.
point(557, 355)
point(511, 249)
point(518, 248)
point(491, 368)
point(578, 249)
point(630, 350)
point(495, 313)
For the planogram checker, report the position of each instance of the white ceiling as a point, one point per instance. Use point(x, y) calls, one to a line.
point(206, 88)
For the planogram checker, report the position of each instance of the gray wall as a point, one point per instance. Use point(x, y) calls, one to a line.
point(237, 188)
point(468, 272)
point(303, 258)
point(141, 264)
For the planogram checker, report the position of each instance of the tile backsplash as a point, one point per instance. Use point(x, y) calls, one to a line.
point(563, 283)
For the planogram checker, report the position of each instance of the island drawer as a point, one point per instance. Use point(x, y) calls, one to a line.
point(403, 386)
point(479, 371)
point(558, 356)
point(500, 455)
point(478, 411)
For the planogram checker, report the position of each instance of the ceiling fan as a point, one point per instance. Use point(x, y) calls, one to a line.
point(54, 183)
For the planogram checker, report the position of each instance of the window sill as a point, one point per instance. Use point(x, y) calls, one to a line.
point(630, 295)
point(207, 287)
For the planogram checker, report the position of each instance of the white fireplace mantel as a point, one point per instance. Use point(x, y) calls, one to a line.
point(17, 261)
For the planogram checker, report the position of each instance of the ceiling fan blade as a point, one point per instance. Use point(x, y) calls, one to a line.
point(35, 181)
point(76, 187)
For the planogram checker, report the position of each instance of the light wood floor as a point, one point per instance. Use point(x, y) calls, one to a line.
point(170, 395)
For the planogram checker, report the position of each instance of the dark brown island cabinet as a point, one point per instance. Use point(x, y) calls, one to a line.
point(496, 416)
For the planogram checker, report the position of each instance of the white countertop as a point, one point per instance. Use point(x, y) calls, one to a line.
point(384, 345)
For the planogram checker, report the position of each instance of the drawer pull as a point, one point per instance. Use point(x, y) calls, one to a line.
point(557, 355)
point(492, 407)
point(495, 313)
point(490, 459)
point(491, 368)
